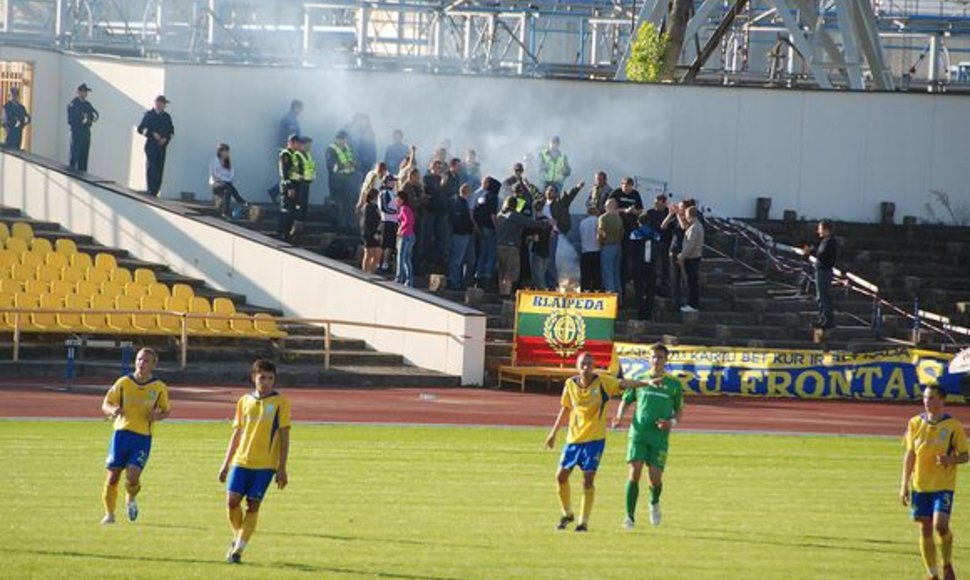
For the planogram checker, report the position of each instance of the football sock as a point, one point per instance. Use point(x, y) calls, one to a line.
point(248, 527)
point(587, 506)
point(632, 494)
point(655, 492)
point(239, 546)
point(565, 499)
point(132, 490)
point(946, 547)
point(927, 549)
point(109, 497)
point(235, 520)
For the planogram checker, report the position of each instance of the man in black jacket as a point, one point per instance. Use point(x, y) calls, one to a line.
point(825, 252)
point(557, 208)
point(461, 265)
point(156, 125)
point(15, 118)
point(80, 116)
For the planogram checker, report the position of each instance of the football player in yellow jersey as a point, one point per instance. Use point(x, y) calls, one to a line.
point(935, 445)
point(258, 450)
point(135, 402)
point(584, 401)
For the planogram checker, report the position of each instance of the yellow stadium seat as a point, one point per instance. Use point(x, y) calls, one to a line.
point(183, 291)
point(105, 261)
point(97, 275)
point(17, 246)
point(82, 260)
point(197, 324)
point(23, 231)
point(266, 325)
point(41, 245)
point(145, 277)
point(98, 322)
point(166, 323)
point(145, 323)
point(121, 322)
point(11, 286)
point(86, 289)
point(48, 320)
point(135, 289)
point(65, 246)
point(158, 289)
point(109, 288)
point(61, 288)
point(21, 272)
point(8, 258)
point(220, 307)
point(35, 287)
point(4, 233)
point(245, 325)
point(33, 259)
point(74, 321)
point(121, 276)
point(73, 274)
point(57, 259)
point(46, 273)
point(28, 319)
point(6, 317)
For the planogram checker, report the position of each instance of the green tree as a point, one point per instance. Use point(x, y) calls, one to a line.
point(646, 54)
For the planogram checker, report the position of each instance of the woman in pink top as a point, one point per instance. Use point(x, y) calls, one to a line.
point(405, 239)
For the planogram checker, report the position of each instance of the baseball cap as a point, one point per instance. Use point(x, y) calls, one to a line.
point(162, 99)
point(83, 87)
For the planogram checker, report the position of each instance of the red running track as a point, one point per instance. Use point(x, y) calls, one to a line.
point(467, 406)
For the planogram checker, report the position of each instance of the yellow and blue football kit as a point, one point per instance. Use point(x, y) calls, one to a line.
point(933, 484)
point(132, 440)
point(260, 420)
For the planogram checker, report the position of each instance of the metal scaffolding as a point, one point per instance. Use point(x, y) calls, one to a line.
point(849, 44)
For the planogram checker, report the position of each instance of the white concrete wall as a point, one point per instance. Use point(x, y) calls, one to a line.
point(824, 154)
point(270, 274)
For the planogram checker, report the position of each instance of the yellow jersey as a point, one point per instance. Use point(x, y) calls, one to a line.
point(137, 401)
point(260, 419)
point(587, 407)
point(929, 439)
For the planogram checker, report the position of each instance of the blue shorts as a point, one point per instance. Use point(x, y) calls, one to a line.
point(128, 448)
point(925, 504)
point(251, 483)
point(585, 455)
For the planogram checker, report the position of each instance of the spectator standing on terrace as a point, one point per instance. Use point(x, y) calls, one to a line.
point(290, 123)
point(373, 180)
point(826, 252)
point(156, 125)
point(309, 175)
point(221, 177)
point(539, 256)
point(671, 224)
point(601, 190)
point(15, 119)
point(554, 165)
point(405, 239)
point(485, 214)
point(661, 248)
point(341, 173)
point(370, 227)
point(590, 278)
point(630, 205)
point(646, 254)
point(584, 401)
point(473, 169)
point(690, 257)
point(360, 135)
point(388, 206)
point(659, 407)
point(396, 152)
point(435, 229)
point(935, 445)
point(136, 402)
point(81, 114)
point(509, 227)
point(461, 267)
point(609, 232)
point(556, 208)
point(290, 166)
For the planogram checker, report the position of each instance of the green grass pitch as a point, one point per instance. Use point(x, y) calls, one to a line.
point(438, 503)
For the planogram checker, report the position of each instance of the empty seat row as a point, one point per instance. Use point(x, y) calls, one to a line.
point(90, 287)
point(161, 316)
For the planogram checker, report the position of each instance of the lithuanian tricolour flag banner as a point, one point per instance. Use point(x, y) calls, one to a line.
point(551, 328)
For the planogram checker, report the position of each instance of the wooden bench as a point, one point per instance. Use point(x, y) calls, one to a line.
point(519, 375)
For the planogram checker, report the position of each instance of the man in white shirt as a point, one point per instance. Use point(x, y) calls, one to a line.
point(589, 262)
point(690, 258)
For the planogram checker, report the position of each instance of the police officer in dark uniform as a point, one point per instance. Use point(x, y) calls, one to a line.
point(290, 164)
point(80, 116)
point(15, 118)
point(158, 130)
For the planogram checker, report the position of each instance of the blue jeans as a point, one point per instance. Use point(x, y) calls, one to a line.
point(435, 231)
point(487, 254)
point(610, 266)
point(405, 270)
point(461, 264)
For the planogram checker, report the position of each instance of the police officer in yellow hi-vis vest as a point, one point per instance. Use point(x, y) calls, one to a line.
point(291, 180)
point(342, 174)
point(554, 165)
point(303, 191)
